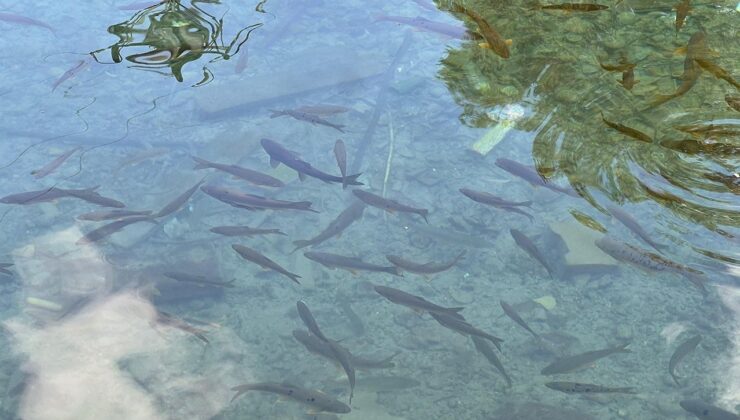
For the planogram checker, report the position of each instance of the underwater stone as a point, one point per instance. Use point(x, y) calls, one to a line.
point(580, 243)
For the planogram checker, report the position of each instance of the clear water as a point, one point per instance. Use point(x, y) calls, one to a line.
point(95, 331)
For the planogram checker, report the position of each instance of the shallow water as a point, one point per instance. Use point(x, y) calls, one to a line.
point(160, 318)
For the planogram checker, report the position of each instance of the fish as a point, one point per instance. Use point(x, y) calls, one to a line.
point(4, 269)
point(179, 201)
point(111, 228)
point(682, 10)
point(254, 177)
point(706, 411)
point(322, 348)
point(351, 264)
point(628, 131)
point(691, 70)
point(170, 320)
point(423, 268)
point(511, 313)
point(571, 363)
point(457, 323)
point(197, 279)
point(628, 79)
point(483, 348)
point(54, 193)
point(633, 255)
point(498, 202)
point(682, 351)
point(414, 302)
point(343, 356)
point(495, 41)
point(717, 71)
point(23, 20)
point(580, 388)
point(336, 227)
point(317, 400)
point(278, 154)
point(340, 153)
point(305, 116)
point(246, 201)
point(423, 24)
point(69, 74)
point(250, 254)
point(530, 175)
point(733, 101)
point(630, 223)
point(101, 215)
point(244, 231)
point(53, 165)
point(573, 7)
point(323, 109)
point(388, 205)
point(530, 248)
point(307, 317)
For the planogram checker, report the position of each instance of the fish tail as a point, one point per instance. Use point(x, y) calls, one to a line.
point(200, 163)
point(295, 277)
point(338, 127)
point(496, 342)
point(278, 232)
point(424, 213)
point(352, 180)
point(300, 244)
point(276, 113)
point(305, 205)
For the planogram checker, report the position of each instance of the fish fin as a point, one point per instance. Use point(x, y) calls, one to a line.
point(352, 180)
point(675, 379)
point(424, 214)
point(274, 162)
point(301, 176)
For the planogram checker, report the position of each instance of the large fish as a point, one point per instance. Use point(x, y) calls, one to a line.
point(498, 202)
point(495, 41)
point(170, 320)
point(530, 175)
point(54, 164)
point(647, 260)
point(305, 116)
point(571, 363)
point(250, 254)
point(388, 205)
point(414, 302)
point(350, 264)
point(530, 248)
point(54, 193)
point(336, 227)
point(580, 388)
point(278, 154)
point(628, 221)
point(483, 348)
point(178, 202)
point(457, 323)
point(706, 411)
point(243, 200)
point(511, 313)
point(244, 231)
point(691, 69)
point(307, 317)
point(340, 153)
point(317, 400)
point(322, 348)
point(254, 177)
point(423, 268)
point(111, 228)
point(682, 351)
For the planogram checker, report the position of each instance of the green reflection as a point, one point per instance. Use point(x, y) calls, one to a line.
point(170, 35)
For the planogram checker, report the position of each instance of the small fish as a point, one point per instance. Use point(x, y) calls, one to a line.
point(628, 131)
point(682, 10)
point(498, 202)
point(250, 254)
point(630, 223)
point(483, 348)
point(23, 20)
point(310, 321)
point(682, 351)
point(457, 323)
point(305, 116)
point(53, 165)
point(336, 227)
point(423, 268)
point(495, 41)
point(322, 348)
point(344, 358)
point(628, 79)
point(717, 71)
point(733, 101)
point(111, 228)
point(340, 153)
point(423, 24)
point(388, 205)
point(414, 302)
point(165, 318)
point(246, 201)
point(622, 67)
point(511, 313)
point(179, 201)
point(530, 248)
point(254, 177)
point(323, 109)
point(69, 74)
point(579, 388)
point(691, 70)
point(350, 264)
point(244, 231)
point(54, 193)
point(574, 7)
point(706, 411)
point(97, 216)
point(278, 154)
point(571, 363)
point(198, 279)
point(317, 400)
point(530, 175)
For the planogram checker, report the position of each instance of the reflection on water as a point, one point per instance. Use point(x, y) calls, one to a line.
point(514, 211)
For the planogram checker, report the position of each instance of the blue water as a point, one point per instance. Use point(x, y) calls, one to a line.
point(98, 331)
